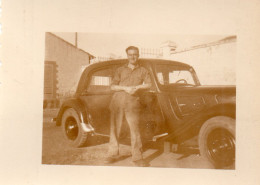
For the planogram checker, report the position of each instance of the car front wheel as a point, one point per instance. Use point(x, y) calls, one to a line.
point(217, 141)
point(72, 130)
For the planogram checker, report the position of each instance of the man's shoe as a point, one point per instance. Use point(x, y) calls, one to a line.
point(110, 160)
point(141, 163)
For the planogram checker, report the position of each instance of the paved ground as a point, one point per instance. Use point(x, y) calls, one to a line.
point(55, 150)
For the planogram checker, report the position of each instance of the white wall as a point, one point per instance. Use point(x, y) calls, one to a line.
point(215, 65)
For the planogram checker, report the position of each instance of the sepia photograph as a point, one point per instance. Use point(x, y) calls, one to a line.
point(145, 100)
point(129, 92)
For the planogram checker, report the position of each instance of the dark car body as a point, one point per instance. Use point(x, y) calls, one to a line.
point(174, 109)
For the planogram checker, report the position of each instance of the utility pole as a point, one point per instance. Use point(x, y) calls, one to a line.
point(76, 39)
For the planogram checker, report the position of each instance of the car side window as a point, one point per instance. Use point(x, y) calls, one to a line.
point(100, 80)
point(180, 76)
point(167, 74)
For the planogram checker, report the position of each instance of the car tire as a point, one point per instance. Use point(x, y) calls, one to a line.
point(217, 141)
point(72, 130)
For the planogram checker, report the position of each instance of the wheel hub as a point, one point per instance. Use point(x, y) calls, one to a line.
point(71, 128)
point(221, 147)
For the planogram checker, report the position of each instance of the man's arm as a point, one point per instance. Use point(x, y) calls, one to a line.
point(118, 88)
point(143, 86)
point(140, 87)
point(130, 89)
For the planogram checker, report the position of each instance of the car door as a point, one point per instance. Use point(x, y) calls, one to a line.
point(177, 98)
point(97, 97)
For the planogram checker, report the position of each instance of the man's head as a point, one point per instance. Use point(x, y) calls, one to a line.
point(132, 54)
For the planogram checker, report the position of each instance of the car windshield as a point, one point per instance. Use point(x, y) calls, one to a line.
point(174, 75)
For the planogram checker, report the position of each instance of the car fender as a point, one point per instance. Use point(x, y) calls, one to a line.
point(75, 104)
point(192, 127)
point(228, 109)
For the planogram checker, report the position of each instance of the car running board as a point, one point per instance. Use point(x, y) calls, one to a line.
point(157, 137)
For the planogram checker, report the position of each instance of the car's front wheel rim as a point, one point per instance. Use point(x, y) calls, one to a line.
point(221, 147)
point(71, 128)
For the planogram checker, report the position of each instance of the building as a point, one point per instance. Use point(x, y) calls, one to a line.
point(63, 66)
point(214, 62)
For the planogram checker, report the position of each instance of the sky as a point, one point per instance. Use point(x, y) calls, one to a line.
point(104, 44)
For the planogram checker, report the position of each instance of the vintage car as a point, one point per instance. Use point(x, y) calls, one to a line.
point(176, 109)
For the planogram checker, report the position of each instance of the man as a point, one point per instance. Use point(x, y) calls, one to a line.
point(125, 103)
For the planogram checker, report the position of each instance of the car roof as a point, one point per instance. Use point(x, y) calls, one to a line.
point(142, 60)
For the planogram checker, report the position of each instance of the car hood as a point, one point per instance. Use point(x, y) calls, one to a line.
point(208, 89)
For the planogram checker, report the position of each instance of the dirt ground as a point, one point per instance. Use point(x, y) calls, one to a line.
point(55, 150)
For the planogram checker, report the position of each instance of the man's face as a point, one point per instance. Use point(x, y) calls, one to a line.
point(132, 56)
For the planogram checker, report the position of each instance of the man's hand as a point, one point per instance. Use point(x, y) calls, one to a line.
point(130, 90)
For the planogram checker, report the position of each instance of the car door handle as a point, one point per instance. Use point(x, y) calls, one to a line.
point(182, 104)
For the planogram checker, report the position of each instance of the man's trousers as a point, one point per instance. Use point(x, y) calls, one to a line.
point(116, 120)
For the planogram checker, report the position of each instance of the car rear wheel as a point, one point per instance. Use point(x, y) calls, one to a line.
point(72, 130)
point(217, 141)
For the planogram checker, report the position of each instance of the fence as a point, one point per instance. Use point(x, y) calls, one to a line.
point(151, 53)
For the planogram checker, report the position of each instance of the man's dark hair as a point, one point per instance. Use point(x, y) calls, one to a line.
point(132, 47)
